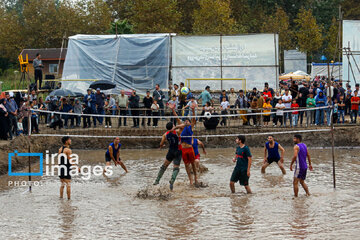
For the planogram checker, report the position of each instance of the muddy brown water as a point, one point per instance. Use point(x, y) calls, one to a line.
point(127, 206)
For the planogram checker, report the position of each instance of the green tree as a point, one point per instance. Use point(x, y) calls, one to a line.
point(331, 41)
point(308, 33)
point(121, 27)
point(155, 16)
point(279, 23)
point(351, 9)
point(187, 8)
point(214, 17)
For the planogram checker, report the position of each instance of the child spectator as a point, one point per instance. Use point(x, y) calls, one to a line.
point(279, 112)
point(267, 109)
point(20, 129)
point(155, 112)
point(225, 105)
point(310, 114)
point(173, 103)
point(355, 100)
point(341, 108)
point(295, 114)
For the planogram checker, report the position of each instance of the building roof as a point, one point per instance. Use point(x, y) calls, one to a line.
point(46, 53)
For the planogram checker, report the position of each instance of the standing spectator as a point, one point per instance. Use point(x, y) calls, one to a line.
point(254, 107)
point(205, 97)
point(295, 114)
point(192, 104)
point(302, 97)
point(287, 99)
point(341, 109)
point(242, 103)
point(173, 104)
point(189, 96)
point(34, 118)
point(320, 101)
point(260, 103)
point(232, 100)
point(310, 114)
point(38, 66)
point(355, 102)
point(78, 110)
point(159, 96)
point(42, 106)
point(182, 97)
point(134, 105)
point(112, 104)
point(329, 103)
point(276, 99)
point(335, 111)
point(341, 89)
point(279, 113)
point(24, 113)
point(175, 91)
point(65, 107)
point(148, 100)
point(225, 105)
point(90, 108)
point(223, 95)
point(48, 102)
point(123, 104)
point(253, 94)
point(4, 120)
point(100, 98)
point(267, 93)
point(294, 89)
point(108, 113)
point(348, 101)
point(155, 112)
point(12, 110)
point(267, 110)
point(266, 86)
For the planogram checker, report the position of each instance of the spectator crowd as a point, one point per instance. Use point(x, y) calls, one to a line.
point(281, 107)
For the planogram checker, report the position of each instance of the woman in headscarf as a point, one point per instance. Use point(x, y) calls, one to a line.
point(4, 120)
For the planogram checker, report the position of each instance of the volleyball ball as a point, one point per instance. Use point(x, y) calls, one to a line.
point(208, 115)
point(185, 90)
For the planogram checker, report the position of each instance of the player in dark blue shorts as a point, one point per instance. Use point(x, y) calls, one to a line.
point(173, 155)
point(243, 161)
point(113, 153)
point(271, 154)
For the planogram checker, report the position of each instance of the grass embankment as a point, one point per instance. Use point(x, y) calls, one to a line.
point(11, 80)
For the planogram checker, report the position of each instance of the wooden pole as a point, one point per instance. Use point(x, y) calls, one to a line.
point(332, 128)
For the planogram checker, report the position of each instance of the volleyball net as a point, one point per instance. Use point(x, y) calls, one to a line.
point(146, 124)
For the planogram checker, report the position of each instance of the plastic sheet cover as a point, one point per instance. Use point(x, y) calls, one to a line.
point(254, 57)
point(351, 38)
point(294, 60)
point(134, 61)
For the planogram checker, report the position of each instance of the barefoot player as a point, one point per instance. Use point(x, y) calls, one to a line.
point(243, 160)
point(187, 149)
point(65, 167)
point(113, 153)
point(174, 154)
point(271, 154)
point(196, 144)
point(300, 154)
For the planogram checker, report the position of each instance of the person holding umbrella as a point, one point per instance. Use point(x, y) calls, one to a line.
point(90, 108)
point(100, 97)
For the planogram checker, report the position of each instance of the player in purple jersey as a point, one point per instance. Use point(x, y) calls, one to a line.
point(300, 154)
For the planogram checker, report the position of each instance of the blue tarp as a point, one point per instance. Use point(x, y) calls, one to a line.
point(134, 61)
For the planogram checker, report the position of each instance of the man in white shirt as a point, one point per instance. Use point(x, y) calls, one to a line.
point(123, 103)
point(232, 99)
point(225, 105)
point(287, 99)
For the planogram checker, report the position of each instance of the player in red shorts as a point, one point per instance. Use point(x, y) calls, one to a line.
point(196, 143)
point(186, 140)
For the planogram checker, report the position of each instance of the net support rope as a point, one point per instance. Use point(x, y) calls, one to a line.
point(286, 110)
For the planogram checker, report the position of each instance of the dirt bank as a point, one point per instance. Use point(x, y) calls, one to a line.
point(344, 136)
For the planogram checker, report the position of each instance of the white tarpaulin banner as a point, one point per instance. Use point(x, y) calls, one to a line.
point(351, 39)
point(254, 57)
point(134, 61)
point(294, 60)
